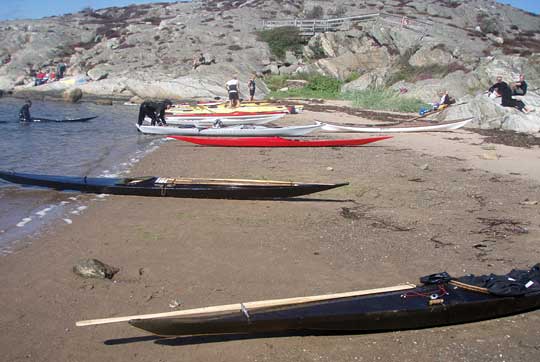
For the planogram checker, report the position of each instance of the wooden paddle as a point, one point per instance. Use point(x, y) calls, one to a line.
point(243, 307)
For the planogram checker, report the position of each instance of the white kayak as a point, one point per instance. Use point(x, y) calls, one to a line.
point(430, 128)
point(225, 120)
point(232, 131)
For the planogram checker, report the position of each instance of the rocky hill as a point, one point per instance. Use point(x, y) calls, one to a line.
point(420, 46)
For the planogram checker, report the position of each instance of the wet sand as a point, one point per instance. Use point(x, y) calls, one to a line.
point(417, 204)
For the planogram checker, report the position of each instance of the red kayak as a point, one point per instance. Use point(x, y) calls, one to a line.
point(275, 141)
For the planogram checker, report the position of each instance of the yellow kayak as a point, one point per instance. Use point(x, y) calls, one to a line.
point(223, 108)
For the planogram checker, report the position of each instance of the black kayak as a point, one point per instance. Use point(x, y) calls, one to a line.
point(440, 300)
point(172, 187)
point(66, 120)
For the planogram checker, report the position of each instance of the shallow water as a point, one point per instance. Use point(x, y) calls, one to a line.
point(105, 146)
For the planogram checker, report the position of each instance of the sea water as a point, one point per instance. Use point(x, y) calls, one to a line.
point(105, 146)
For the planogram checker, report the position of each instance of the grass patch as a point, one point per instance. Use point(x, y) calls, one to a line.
point(354, 75)
point(325, 87)
point(413, 74)
point(319, 86)
point(275, 82)
point(384, 99)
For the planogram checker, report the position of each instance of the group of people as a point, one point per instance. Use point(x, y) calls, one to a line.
point(506, 92)
point(156, 110)
point(42, 77)
point(233, 89)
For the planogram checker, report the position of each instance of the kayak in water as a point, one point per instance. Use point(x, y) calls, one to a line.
point(25, 117)
point(65, 120)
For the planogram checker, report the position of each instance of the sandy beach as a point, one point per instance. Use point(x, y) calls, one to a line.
point(416, 204)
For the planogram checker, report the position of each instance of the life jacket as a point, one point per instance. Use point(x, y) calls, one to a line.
point(232, 86)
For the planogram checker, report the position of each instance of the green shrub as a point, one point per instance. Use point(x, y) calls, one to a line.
point(354, 75)
point(275, 82)
point(487, 23)
point(315, 13)
point(384, 99)
point(319, 86)
point(317, 49)
point(282, 39)
point(319, 82)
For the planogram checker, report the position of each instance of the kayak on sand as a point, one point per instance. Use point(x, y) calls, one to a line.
point(232, 119)
point(172, 187)
point(450, 126)
point(440, 300)
point(234, 131)
point(276, 141)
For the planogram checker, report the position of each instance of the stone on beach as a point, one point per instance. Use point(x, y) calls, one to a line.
point(93, 268)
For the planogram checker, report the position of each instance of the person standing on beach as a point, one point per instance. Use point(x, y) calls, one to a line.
point(155, 111)
point(233, 88)
point(251, 87)
point(24, 113)
point(60, 70)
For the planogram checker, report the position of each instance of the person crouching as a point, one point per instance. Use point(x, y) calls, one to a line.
point(155, 111)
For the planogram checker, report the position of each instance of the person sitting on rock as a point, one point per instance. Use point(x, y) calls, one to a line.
point(200, 60)
point(503, 90)
point(443, 102)
point(519, 88)
point(24, 113)
point(51, 76)
point(155, 111)
point(40, 78)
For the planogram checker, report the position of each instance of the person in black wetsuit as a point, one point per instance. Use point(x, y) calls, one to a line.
point(154, 110)
point(24, 113)
point(504, 90)
point(251, 87)
point(519, 88)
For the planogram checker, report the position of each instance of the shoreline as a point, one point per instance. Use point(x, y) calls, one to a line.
point(407, 220)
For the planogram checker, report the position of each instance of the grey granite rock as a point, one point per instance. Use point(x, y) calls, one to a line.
point(93, 268)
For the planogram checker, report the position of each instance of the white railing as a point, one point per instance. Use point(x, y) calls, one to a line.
point(312, 26)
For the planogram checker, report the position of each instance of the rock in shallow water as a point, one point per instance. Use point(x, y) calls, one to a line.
point(93, 268)
point(72, 95)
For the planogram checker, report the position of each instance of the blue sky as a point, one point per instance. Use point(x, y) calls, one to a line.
point(529, 5)
point(33, 9)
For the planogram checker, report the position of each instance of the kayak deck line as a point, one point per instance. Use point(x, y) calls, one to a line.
point(246, 305)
